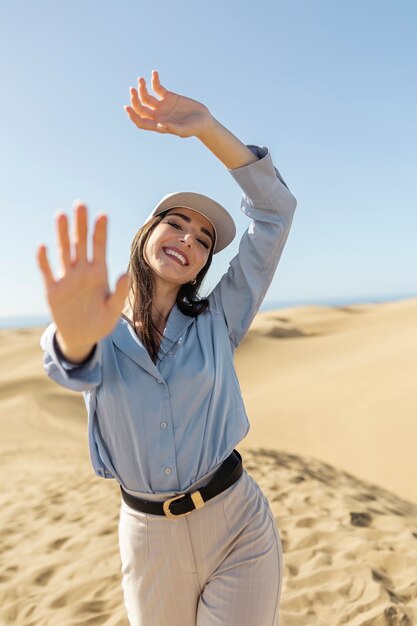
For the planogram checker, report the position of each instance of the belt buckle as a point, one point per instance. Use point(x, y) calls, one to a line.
point(196, 498)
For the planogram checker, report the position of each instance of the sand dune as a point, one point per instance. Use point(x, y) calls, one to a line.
point(338, 384)
point(329, 392)
point(350, 547)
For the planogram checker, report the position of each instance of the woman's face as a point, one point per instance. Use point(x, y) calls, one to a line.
point(179, 246)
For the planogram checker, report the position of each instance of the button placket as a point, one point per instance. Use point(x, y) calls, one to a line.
point(166, 411)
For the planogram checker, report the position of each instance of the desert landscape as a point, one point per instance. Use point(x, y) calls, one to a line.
point(330, 393)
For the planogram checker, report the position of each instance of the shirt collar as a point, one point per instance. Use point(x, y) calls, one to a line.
point(128, 342)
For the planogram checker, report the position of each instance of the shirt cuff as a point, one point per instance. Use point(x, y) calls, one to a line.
point(258, 179)
point(70, 365)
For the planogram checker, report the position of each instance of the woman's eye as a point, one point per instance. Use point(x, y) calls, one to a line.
point(174, 224)
point(203, 243)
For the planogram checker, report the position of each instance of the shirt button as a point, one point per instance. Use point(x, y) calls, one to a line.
point(168, 471)
point(163, 425)
point(160, 381)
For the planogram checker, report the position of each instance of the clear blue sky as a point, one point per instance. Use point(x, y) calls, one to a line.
point(330, 87)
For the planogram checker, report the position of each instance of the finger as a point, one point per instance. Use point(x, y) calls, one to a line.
point(156, 85)
point(117, 299)
point(145, 97)
point(64, 247)
point(144, 124)
point(138, 107)
point(80, 231)
point(45, 268)
point(100, 239)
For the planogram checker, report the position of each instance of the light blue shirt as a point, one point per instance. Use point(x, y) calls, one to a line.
point(159, 428)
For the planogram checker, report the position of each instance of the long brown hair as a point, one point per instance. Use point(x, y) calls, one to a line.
point(142, 286)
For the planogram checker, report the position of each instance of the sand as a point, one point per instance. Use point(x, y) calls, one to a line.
point(330, 392)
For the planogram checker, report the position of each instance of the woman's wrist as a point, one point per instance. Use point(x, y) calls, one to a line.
point(75, 356)
point(224, 145)
point(207, 128)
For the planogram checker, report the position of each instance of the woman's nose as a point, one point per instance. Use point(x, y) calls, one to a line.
point(187, 238)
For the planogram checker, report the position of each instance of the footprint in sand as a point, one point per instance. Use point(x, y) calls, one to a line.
point(57, 543)
point(360, 519)
point(43, 577)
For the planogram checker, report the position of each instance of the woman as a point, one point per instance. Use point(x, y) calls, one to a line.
point(198, 541)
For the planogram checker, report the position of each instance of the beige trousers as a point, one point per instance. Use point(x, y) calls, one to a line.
point(219, 566)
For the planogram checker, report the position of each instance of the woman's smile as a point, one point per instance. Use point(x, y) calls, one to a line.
point(176, 255)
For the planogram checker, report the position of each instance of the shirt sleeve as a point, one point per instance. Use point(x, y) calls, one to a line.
point(75, 376)
point(270, 205)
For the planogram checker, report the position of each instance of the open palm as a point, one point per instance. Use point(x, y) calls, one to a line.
point(80, 301)
point(173, 113)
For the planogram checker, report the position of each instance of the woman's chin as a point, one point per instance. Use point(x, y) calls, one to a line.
point(171, 278)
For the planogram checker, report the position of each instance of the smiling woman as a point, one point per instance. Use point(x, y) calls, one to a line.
point(155, 364)
point(177, 249)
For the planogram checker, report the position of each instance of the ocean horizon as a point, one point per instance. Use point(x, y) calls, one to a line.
point(33, 321)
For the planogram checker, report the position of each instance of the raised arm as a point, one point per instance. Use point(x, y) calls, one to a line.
point(267, 201)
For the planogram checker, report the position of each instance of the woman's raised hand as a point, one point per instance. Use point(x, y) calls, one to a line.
point(172, 114)
point(80, 301)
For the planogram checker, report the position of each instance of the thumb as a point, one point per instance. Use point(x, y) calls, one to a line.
point(121, 290)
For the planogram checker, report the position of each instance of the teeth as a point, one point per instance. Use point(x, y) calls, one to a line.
point(181, 258)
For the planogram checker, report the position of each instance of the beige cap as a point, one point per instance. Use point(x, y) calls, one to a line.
point(223, 223)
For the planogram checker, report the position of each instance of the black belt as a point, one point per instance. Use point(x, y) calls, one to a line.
point(229, 471)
